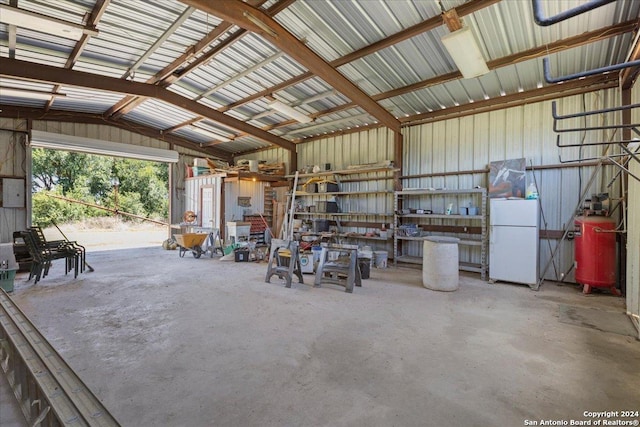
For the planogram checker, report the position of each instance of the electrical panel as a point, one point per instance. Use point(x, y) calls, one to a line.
point(12, 193)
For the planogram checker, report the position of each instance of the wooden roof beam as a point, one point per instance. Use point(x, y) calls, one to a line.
point(628, 75)
point(97, 119)
point(257, 21)
point(422, 27)
point(576, 87)
point(168, 75)
point(536, 52)
point(96, 14)
point(46, 73)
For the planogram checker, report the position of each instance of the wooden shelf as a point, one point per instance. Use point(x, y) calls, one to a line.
point(342, 214)
point(344, 193)
point(440, 216)
point(345, 172)
point(425, 192)
point(465, 242)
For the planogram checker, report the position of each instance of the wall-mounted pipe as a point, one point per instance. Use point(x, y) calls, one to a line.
point(541, 20)
point(633, 127)
point(589, 113)
point(609, 68)
point(587, 144)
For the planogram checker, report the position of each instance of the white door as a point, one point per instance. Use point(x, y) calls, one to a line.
point(513, 254)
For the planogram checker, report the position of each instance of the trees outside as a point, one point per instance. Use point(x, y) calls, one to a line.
point(142, 189)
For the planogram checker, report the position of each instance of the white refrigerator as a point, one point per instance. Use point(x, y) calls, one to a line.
point(513, 241)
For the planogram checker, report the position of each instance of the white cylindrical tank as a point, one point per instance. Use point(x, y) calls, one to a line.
point(440, 263)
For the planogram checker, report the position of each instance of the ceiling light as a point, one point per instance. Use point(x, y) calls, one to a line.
point(208, 133)
point(289, 111)
point(464, 51)
point(57, 141)
point(27, 93)
point(45, 24)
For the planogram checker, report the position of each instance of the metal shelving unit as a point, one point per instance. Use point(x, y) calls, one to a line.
point(460, 226)
point(350, 199)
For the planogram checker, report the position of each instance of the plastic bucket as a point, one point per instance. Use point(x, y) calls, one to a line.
point(365, 267)
point(380, 258)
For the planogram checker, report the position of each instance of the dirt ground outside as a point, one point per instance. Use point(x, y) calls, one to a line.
point(110, 233)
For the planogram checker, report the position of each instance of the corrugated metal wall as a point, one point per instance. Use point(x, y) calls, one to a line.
point(342, 151)
point(238, 188)
point(468, 145)
point(13, 164)
point(193, 200)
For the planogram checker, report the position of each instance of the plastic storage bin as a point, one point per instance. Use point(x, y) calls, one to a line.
point(6, 279)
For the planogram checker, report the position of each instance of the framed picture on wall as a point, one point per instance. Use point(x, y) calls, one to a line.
point(507, 178)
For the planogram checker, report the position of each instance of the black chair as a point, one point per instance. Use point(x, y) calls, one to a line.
point(37, 257)
point(64, 245)
point(52, 251)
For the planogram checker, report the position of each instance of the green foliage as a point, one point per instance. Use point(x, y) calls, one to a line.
point(47, 210)
point(142, 188)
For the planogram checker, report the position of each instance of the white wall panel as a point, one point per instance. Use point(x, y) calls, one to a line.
point(13, 164)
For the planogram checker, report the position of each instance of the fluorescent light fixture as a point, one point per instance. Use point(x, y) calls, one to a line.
point(209, 134)
point(289, 111)
point(27, 93)
point(57, 141)
point(46, 24)
point(465, 52)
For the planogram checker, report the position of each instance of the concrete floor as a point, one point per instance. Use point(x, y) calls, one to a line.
point(169, 341)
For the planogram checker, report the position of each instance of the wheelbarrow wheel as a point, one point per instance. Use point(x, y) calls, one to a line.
point(197, 251)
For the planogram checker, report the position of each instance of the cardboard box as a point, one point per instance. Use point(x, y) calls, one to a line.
point(327, 207)
point(327, 187)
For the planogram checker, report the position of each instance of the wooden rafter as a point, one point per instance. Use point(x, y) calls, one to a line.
point(255, 20)
point(94, 17)
point(576, 87)
point(537, 52)
point(97, 119)
point(45, 73)
point(422, 27)
point(629, 75)
point(173, 72)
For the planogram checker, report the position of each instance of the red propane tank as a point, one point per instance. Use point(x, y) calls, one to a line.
point(595, 250)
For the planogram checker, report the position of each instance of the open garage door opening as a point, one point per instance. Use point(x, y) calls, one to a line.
point(104, 194)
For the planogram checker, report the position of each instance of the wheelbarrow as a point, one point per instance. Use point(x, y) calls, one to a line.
point(191, 242)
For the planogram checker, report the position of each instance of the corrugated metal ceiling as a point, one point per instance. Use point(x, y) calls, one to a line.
point(139, 38)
